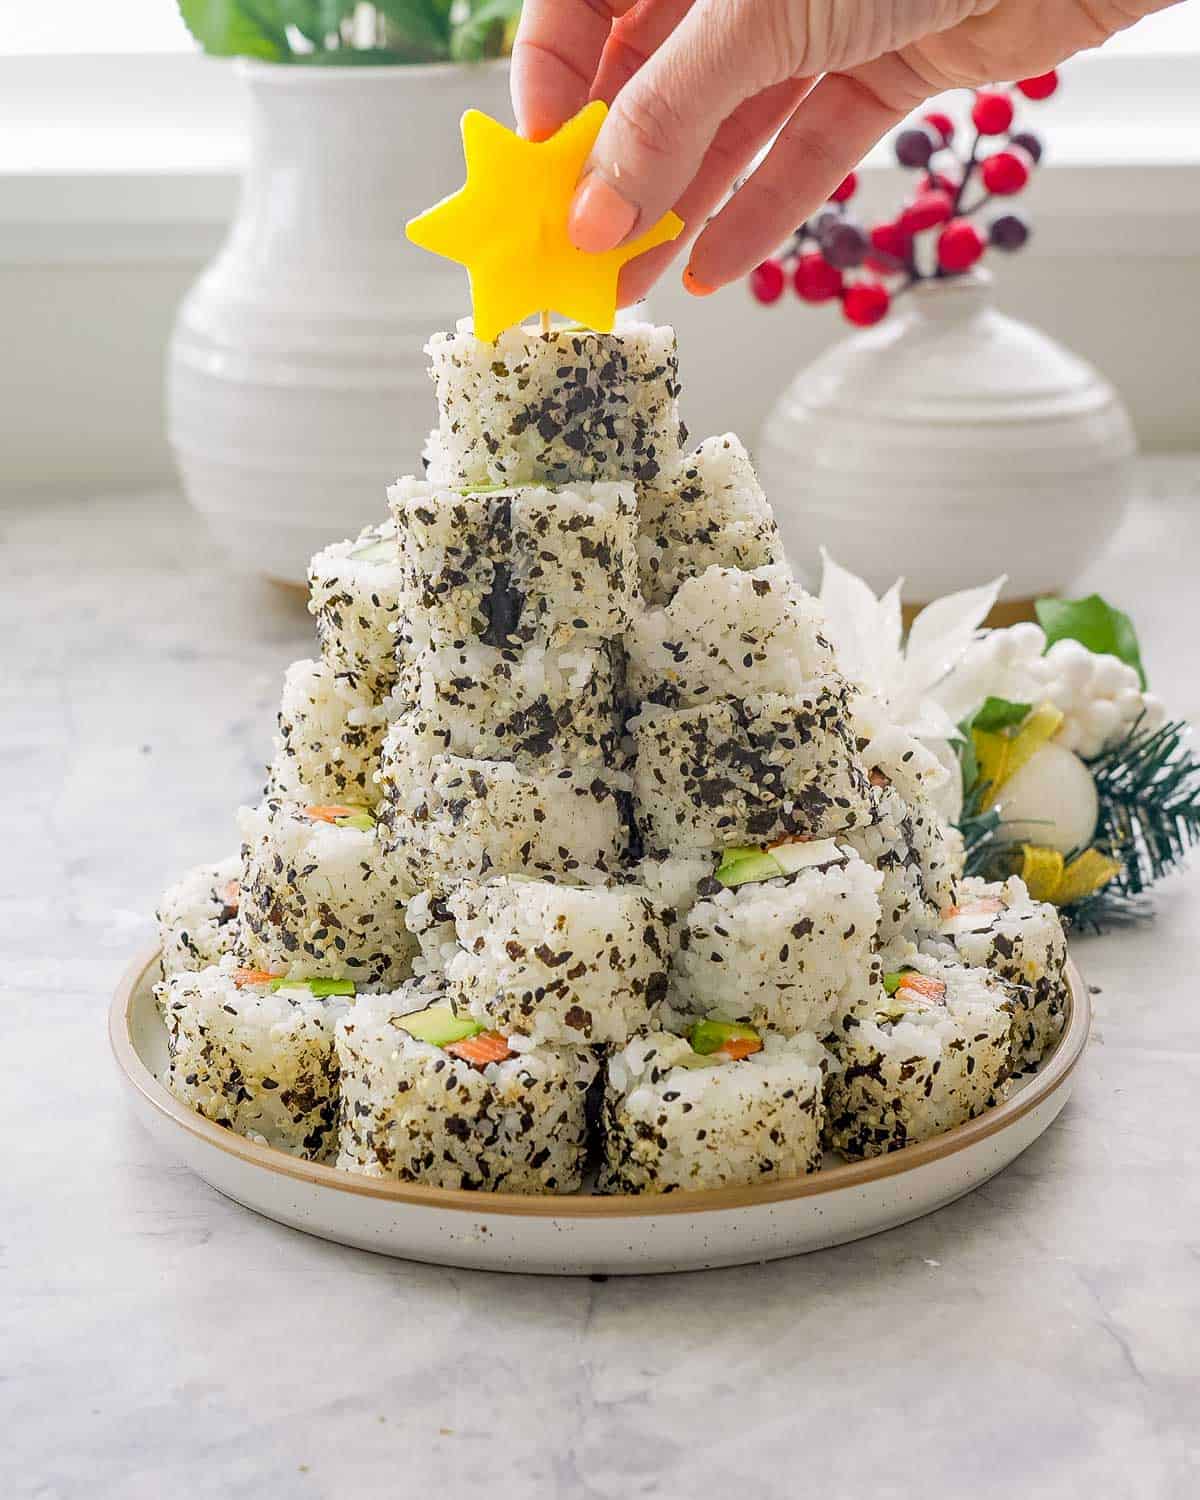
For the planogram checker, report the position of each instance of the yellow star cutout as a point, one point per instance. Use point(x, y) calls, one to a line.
point(508, 226)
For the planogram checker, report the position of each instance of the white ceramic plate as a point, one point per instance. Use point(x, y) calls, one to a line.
point(587, 1234)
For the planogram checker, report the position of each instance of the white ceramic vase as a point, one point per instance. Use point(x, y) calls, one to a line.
point(948, 444)
point(296, 380)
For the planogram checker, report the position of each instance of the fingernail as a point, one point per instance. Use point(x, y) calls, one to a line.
point(600, 218)
point(693, 284)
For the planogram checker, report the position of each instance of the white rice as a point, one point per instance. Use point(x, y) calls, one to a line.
point(561, 964)
point(197, 916)
point(727, 633)
point(357, 602)
point(785, 954)
point(448, 818)
point(261, 1062)
point(318, 901)
point(538, 706)
point(1024, 944)
point(330, 736)
point(521, 564)
point(908, 1070)
point(907, 843)
point(556, 407)
point(710, 509)
point(668, 1127)
point(747, 771)
point(412, 1112)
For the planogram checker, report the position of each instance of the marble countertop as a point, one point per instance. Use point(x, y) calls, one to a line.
point(1039, 1338)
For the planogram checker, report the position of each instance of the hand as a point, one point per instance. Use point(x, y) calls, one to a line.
point(699, 87)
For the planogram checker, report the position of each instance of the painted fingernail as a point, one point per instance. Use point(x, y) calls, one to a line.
point(693, 284)
point(600, 218)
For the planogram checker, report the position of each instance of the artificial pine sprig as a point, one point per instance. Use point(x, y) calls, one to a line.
point(1148, 787)
point(1149, 790)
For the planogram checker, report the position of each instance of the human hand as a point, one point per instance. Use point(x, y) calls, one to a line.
point(698, 87)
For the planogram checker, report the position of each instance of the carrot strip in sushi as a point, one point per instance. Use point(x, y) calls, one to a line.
point(486, 1047)
point(243, 977)
point(923, 984)
point(978, 908)
point(738, 1047)
point(330, 813)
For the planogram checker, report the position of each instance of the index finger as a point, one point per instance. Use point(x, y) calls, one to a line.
point(555, 57)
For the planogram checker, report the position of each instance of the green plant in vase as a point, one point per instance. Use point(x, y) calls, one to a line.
point(346, 33)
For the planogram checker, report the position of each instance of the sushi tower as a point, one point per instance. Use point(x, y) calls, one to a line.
point(578, 852)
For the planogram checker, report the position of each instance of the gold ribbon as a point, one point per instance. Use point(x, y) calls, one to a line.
point(1050, 878)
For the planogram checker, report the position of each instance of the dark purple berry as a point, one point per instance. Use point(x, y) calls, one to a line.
point(1029, 143)
point(1008, 232)
point(914, 147)
point(845, 245)
point(822, 222)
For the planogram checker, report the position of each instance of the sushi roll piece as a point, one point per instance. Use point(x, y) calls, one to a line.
point(727, 633)
point(927, 1051)
point(317, 898)
point(447, 818)
point(909, 845)
point(330, 737)
point(535, 705)
point(999, 927)
point(519, 565)
point(894, 757)
point(722, 1107)
point(197, 917)
point(710, 510)
point(747, 770)
point(781, 938)
point(254, 1051)
point(567, 965)
point(355, 590)
point(556, 407)
point(432, 1097)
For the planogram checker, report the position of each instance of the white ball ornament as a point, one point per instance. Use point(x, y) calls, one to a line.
point(1051, 800)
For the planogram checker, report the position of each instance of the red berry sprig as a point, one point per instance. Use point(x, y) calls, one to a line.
point(835, 257)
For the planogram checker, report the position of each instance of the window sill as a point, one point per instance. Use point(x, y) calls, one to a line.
point(137, 159)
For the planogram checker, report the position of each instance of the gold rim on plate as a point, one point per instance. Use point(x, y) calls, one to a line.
point(1050, 1076)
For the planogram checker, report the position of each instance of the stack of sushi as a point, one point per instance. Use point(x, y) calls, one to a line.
point(578, 850)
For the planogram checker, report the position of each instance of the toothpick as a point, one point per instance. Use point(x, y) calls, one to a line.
point(545, 320)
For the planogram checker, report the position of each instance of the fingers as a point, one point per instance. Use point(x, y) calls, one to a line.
point(554, 59)
point(665, 118)
point(826, 137)
point(734, 147)
point(633, 38)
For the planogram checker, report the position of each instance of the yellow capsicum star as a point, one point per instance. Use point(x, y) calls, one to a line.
point(508, 226)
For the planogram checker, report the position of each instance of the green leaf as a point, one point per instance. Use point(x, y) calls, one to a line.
point(236, 28)
point(417, 26)
point(1094, 623)
point(999, 713)
point(315, 20)
point(482, 34)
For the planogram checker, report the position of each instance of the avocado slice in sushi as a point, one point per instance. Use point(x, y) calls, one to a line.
point(741, 866)
point(321, 989)
point(438, 1025)
point(716, 1036)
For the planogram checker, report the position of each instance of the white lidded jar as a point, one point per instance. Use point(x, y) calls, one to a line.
point(947, 444)
point(296, 383)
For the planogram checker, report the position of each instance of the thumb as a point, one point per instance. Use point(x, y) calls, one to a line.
point(664, 119)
